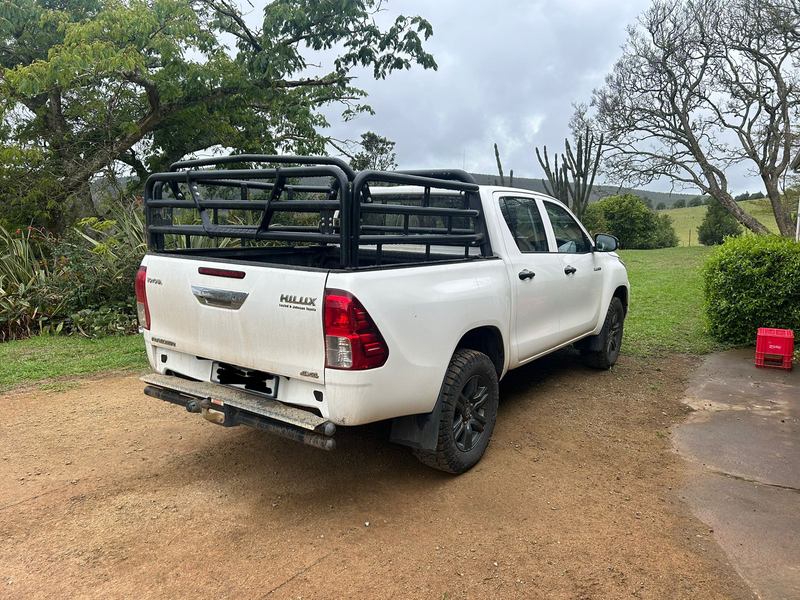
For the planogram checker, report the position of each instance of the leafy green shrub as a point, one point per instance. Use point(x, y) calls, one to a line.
point(31, 297)
point(664, 235)
point(30, 309)
point(81, 283)
point(717, 224)
point(661, 206)
point(680, 203)
point(594, 220)
point(104, 255)
point(626, 217)
point(698, 201)
point(118, 318)
point(752, 281)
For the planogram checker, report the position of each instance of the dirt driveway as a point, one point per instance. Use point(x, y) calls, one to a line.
point(105, 493)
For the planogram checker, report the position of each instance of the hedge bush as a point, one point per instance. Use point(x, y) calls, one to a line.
point(79, 283)
point(628, 218)
point(717, 224)
point(752, 281)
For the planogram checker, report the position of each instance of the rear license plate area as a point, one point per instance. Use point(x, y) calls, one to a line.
point(248, 380)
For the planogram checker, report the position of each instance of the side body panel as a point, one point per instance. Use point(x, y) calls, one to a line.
point(422, 314)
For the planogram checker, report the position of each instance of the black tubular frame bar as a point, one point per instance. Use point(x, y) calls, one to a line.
point(348, 195)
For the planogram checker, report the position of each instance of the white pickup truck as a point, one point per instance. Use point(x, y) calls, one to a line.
point(303, 296)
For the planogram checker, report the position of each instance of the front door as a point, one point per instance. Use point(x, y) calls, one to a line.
point(581, 273)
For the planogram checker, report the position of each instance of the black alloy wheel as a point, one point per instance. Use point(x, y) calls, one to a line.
point(609, 341)
point(614, 335)
point(469, 400)
point(469, 416)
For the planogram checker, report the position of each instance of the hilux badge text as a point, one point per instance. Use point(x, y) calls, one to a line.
point(298, 302)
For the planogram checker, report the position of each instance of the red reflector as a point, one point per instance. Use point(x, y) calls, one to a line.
point(221, 273)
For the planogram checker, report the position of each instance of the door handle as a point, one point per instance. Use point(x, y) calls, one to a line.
point(219, 298)
point(525, 274)
point(569, 270)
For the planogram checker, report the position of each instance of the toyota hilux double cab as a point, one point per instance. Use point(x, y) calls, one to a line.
point(295, 295)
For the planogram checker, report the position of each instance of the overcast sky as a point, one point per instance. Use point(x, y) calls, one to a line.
point(509, 71)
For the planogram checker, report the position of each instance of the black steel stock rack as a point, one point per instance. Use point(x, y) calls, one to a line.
point(344, 205)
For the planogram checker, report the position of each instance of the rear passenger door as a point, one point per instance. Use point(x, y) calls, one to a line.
point(581, 272)
point(536, 276)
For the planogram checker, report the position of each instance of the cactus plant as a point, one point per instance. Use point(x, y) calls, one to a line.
point(582, 169)
point(559, 183)
point(499, 165)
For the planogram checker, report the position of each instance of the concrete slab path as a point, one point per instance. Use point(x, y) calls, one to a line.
point(743, 445)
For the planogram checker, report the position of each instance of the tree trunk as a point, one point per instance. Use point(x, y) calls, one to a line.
point(782, 218)
point(74, 206)
point(746, 219)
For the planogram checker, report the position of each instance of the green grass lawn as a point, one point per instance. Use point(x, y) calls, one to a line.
point(666, 312)
point(687, 220)
point(47, 357)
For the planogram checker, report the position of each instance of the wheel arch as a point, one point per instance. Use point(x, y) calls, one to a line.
point(421, 431)
point(622, 293)
point(489, 340)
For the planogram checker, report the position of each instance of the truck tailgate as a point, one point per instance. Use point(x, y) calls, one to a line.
point(268, 319)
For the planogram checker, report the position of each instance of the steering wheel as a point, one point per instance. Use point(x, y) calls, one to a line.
point(523, 241)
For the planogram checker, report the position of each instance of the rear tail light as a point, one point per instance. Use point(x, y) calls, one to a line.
point(352, 340)
point(142, 310)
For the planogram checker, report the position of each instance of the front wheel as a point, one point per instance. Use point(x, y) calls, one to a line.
point(469, 397)
point(610, 338)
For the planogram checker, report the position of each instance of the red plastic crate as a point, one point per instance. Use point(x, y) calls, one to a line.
point(774, 348)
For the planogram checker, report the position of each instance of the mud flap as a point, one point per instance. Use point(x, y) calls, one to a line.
point(418, 431)
point(593, 343)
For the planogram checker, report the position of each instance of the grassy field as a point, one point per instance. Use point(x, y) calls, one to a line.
point(44, 358)
point(665, 316)
point(687, 220)
point(666, 302)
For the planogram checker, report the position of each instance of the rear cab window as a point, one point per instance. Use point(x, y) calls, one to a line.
point(524, 223)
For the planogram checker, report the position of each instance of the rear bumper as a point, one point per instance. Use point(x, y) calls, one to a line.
point(230, 407)
point(345, 398)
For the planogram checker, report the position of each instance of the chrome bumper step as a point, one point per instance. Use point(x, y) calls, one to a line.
point(265, 407)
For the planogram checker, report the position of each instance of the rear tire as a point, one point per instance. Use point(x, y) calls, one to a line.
point(469, 397)
point(610, 338)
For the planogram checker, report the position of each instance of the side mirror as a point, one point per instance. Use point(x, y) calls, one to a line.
point(605, 243)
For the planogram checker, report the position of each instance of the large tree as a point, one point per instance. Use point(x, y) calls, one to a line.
point(703, 85)
point(377, 153)
point(87, 84)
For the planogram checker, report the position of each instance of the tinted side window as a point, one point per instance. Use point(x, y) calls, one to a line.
point(569, 236)
point(525, 223)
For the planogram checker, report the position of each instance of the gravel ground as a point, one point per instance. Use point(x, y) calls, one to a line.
point(106, 493)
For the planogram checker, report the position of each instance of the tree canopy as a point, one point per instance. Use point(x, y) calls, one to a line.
point(703, 85)
point(88, 84)
point(377, 153)
point(629, 219)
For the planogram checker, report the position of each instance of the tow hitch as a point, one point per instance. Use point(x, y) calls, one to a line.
point(312, 431)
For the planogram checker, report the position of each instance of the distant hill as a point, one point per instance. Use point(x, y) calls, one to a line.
point(687, 220)
point(598, 192)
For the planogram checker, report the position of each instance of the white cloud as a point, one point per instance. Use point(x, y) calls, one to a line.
point(509, 71)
